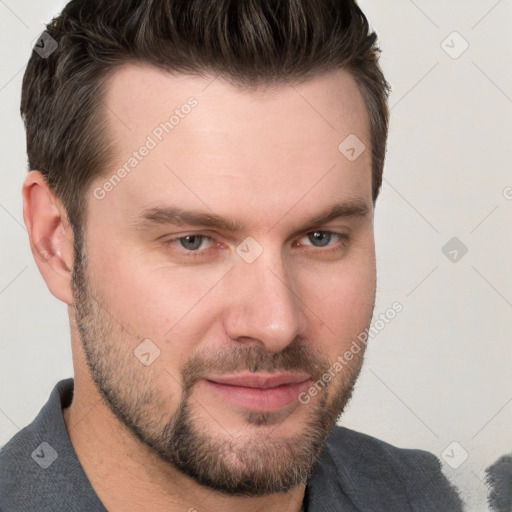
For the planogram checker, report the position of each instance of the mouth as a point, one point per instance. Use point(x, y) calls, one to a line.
point(259, 392)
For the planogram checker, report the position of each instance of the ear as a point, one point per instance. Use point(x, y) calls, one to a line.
point(50, 235)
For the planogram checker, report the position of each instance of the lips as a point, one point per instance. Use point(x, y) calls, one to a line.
point(261, 381)
point(259, 392)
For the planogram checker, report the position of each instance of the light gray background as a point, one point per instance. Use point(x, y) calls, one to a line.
point(441, 371)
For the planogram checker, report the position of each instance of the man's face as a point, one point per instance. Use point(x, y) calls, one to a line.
point(238, 318)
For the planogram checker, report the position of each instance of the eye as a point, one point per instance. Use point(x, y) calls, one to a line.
point(192, 243)
point(321, 238)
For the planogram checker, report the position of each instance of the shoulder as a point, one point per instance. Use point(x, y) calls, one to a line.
point(375, 453)
point(373, 471)
point(39, 469)
point(19, 456)
point(48, 424)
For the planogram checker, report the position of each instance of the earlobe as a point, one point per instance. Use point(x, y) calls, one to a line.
point(50, 235)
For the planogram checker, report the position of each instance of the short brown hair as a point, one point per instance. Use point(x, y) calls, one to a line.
point(248, 42)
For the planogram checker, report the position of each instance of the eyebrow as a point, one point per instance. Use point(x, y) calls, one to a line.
point(174, 215)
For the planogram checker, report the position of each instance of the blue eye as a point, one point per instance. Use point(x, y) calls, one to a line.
point(192, 242)
point(320, 238)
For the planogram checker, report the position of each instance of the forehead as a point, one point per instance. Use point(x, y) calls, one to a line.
point(137, 96)
point(210, 144)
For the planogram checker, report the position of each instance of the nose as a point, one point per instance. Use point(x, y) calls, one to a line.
point(264, 307)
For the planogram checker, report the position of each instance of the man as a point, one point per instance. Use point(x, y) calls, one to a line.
point(203, 179)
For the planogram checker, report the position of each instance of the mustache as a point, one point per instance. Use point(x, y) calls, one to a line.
point(253, 359)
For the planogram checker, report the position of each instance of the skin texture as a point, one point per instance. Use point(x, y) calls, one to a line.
point(158, 437)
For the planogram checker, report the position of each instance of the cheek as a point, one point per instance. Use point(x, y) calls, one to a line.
point(342, 297)
point(168, 305)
